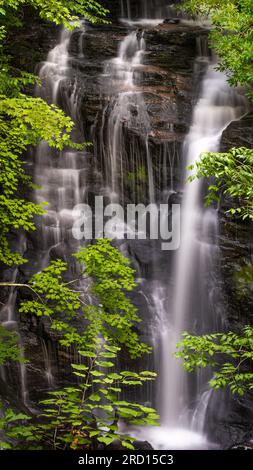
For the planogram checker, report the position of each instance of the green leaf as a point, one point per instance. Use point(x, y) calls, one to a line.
point(104, 364)
point(95, 397)
point(128, 445)
point(87, 353)
point(79, 367)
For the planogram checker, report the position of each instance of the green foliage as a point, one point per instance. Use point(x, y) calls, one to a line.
point(231, 37)
point(234, 177)
point(230, 354)
point(112, 277)
point(65, 12)
point(87, 414)
point(244, 280)
point(139, 175)
point(24, 121)
point(112, 314)
point(9, 347)
point(56, 297)
point(17, 435)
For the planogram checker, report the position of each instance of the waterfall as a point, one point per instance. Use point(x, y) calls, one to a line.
point(146, 9)
point(61, 177)
point(126, 110)
point(9, 321)
point(191, 303)
point(56, 184)
point(217, 106)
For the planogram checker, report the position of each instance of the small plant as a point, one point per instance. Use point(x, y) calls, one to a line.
point(108, 277)
point(9, 346)
point(87, 413)
point(18, 434)
point(140, 175)
point(244, 280)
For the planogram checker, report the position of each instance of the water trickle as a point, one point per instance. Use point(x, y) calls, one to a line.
point(47, 355)
point(61, 177)
point(146, 9)
point(55, 69)
point(8, 320)
point(126, 112)
point(198, 419)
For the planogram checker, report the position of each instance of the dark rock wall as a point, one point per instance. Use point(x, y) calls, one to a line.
point(236, 250)
point(236, 239)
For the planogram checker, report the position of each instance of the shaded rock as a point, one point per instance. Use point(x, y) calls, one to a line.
point(243, 446)
point(171, 21)
point(142, 445)
point(238, 134)
point(138, 445)
point(233, 420)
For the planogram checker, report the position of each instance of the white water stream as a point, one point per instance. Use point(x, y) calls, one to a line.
point(190, 299)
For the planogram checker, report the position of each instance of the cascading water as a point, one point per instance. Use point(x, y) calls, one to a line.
point(218, 105)
point(191, 303)
point(55, 186)
point(8, 319)
point(61, 176)
point(58, 176)
point(145, 9)
point(126, 110)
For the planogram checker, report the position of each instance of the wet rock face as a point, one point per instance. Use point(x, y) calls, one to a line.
point(235, 235)
point(138, 8)
point(29, 44)
point(235, 240)
point(167, 79)
point(238, 134)
point(233, 427)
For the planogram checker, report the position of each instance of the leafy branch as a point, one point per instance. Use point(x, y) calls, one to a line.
point(230, 355)
point(233, 172)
